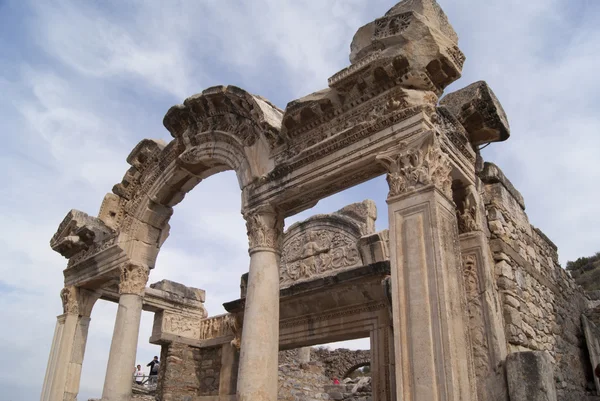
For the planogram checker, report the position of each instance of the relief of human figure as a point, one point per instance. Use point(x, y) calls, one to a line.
point(310, 251)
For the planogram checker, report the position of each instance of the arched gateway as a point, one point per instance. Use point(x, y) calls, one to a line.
point(380, 115)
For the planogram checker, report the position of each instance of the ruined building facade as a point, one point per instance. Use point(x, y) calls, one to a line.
point(462, 298)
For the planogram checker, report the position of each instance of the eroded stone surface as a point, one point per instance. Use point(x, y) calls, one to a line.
point(530, 376)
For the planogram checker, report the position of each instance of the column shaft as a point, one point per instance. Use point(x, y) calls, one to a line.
point(121, 361)
point(258, 374)
point(77, 354)
point(51, 367)
point(63, 357)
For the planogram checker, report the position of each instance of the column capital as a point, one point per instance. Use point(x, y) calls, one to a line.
point(264, 226)
point(134, 277)
point(417, 163)
point(78, 301)
point(69, 297)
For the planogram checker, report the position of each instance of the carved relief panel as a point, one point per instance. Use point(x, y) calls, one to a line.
point(322, 246)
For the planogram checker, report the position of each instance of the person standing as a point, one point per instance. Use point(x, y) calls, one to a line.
point(139, 375)
point(154, 366)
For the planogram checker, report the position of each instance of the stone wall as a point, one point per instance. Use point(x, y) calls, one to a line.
point(336, 363)
point(304, 382)
point(542, 305)
point(189, 372)
point(313, 381)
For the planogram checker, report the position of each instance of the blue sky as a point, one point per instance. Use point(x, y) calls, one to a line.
point(82, 82)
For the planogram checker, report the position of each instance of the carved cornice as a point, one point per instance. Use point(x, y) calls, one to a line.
point(133, 278)
point(416, 164)
point(264, 226)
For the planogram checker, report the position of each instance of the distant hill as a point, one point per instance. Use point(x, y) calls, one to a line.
point(586, 272)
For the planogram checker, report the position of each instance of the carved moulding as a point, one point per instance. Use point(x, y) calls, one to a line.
point(416, 164)
point(133, 278)
point(264, 226)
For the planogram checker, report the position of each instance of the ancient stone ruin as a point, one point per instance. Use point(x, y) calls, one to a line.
point(462, 299)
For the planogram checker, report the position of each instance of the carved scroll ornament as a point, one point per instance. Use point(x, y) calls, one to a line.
point(417, 164)
point(133, 279)
point(265, 229)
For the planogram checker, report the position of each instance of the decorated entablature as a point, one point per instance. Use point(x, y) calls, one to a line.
point(318, 145)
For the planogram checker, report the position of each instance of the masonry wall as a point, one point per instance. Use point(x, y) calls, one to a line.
point(541, 303)
point(189, 372)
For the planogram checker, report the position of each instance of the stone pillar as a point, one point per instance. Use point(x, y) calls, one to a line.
point(121, 360)
point(431, 342)
point(304, 355)
point(382, 359)
point(258, 371)
point(68, 347)
point(486, 324)
point(229, 370)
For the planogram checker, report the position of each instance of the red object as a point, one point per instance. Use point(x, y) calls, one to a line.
point(336, 381)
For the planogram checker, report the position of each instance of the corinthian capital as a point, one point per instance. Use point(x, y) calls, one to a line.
point(416, 164)
point(133, 278)
point(69, 298)
point(265, 229)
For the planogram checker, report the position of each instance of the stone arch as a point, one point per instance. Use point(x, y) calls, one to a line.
point(341, 362)
point(354, 367)
point(223, 128)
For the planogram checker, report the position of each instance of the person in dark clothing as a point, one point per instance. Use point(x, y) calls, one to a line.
point(154, 365)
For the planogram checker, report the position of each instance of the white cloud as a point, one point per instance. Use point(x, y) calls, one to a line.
point(92, 79)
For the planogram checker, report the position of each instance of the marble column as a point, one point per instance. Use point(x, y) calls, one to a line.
point(68, 346)
point(258, 369)
point(431, 339)
point(121, 360)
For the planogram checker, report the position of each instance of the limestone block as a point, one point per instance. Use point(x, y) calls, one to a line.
point(530, 376)
point(110, 210)
point(491, 174)
point(374, 248)
point(180, 290)
point(416, 35)
point(480, 112)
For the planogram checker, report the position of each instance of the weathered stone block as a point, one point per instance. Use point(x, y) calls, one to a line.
point(180, 290)
point(530, 376)
point(480, 112)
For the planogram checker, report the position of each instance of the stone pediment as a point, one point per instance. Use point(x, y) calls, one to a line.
point(78, 232)
point(325, 244)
